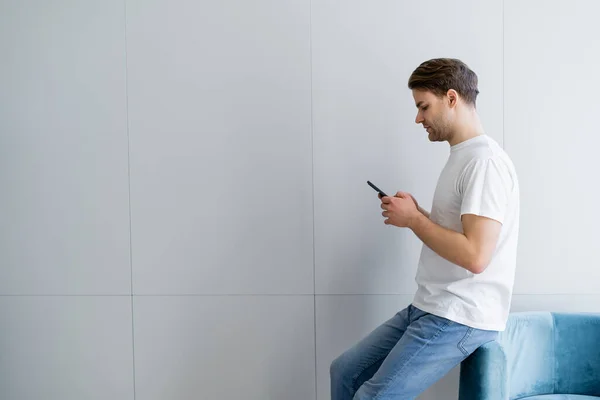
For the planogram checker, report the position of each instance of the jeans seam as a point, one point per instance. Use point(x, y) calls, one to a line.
point(461, 344)
point(369, 365)
point(440, 330)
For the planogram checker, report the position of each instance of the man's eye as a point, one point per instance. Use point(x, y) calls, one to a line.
point(424, 108)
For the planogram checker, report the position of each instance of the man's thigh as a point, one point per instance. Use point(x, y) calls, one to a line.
point(428, 350)
point(363, 359)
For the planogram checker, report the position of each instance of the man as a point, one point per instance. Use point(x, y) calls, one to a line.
point(467, 264)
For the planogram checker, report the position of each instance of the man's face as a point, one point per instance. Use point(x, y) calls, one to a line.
point(433, 114)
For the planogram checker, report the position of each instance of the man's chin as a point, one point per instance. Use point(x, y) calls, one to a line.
point(435, 138)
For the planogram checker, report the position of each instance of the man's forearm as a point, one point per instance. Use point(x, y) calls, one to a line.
point(451, 245)
point(424, 211)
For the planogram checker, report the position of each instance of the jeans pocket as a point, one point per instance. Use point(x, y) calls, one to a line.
point(463, 342)
point(474, 338)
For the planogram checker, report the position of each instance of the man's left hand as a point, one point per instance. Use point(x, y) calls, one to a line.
point(400, 210)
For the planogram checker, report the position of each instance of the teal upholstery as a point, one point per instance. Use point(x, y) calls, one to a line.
point(561, 397)
point(540, 355)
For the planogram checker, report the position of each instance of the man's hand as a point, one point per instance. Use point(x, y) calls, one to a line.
point(404, 194)
point(400, 210)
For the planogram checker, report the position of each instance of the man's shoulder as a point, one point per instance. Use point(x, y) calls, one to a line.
point(481, 156)
point(487, 165)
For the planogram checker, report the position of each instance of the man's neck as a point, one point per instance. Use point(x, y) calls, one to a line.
point(469, 127)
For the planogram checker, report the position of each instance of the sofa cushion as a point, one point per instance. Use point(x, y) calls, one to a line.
point(577, 354)
point(529, 344)
point(552, 353)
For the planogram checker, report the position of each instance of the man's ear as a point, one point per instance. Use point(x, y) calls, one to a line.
point(452, 97)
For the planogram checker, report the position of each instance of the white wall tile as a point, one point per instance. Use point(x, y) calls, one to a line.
point(221, 169)
point(363, 55)
point(66, 348)
point(224, 347)
point(556, 303)
point(221, 156)
point(552, 135)
point(63, 148)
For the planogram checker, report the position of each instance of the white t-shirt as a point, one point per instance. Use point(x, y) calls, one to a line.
point(478, 178)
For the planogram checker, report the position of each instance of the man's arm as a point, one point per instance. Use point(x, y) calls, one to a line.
point(472, 250)
point(484, 187)
point(423, 211)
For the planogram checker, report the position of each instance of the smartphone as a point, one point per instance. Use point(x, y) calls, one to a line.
point(376, 189)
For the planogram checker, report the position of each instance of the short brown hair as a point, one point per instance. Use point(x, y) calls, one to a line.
point(439, 75)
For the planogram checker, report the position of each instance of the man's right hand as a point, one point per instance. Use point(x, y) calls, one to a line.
point(405, 194)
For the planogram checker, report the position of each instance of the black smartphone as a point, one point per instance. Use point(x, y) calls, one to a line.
point(376, 189)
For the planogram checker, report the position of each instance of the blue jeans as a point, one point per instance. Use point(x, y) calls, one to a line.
point(403, 357)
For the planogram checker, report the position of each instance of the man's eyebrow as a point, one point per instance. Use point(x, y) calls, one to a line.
point(419, 104)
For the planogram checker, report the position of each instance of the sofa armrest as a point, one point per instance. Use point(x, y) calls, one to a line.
point(483, 375)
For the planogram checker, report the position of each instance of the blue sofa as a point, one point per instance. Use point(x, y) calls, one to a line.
point(540, 356)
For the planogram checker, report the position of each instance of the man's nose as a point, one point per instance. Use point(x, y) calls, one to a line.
point(419, 118)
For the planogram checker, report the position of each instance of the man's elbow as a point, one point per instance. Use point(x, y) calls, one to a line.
point(477, 264)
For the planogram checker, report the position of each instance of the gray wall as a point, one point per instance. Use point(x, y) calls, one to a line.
point(184, 211)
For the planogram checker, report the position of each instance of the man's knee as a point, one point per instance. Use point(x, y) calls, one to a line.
point(338, 367)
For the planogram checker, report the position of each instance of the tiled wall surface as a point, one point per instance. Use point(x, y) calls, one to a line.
point(184, 209)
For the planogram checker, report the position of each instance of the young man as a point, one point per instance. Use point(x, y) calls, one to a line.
point(467, 264)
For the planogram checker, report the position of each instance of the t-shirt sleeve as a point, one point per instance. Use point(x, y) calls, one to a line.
point(485, 189)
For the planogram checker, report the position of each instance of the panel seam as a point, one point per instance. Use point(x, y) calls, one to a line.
point(312, 162)
point(129, 200)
